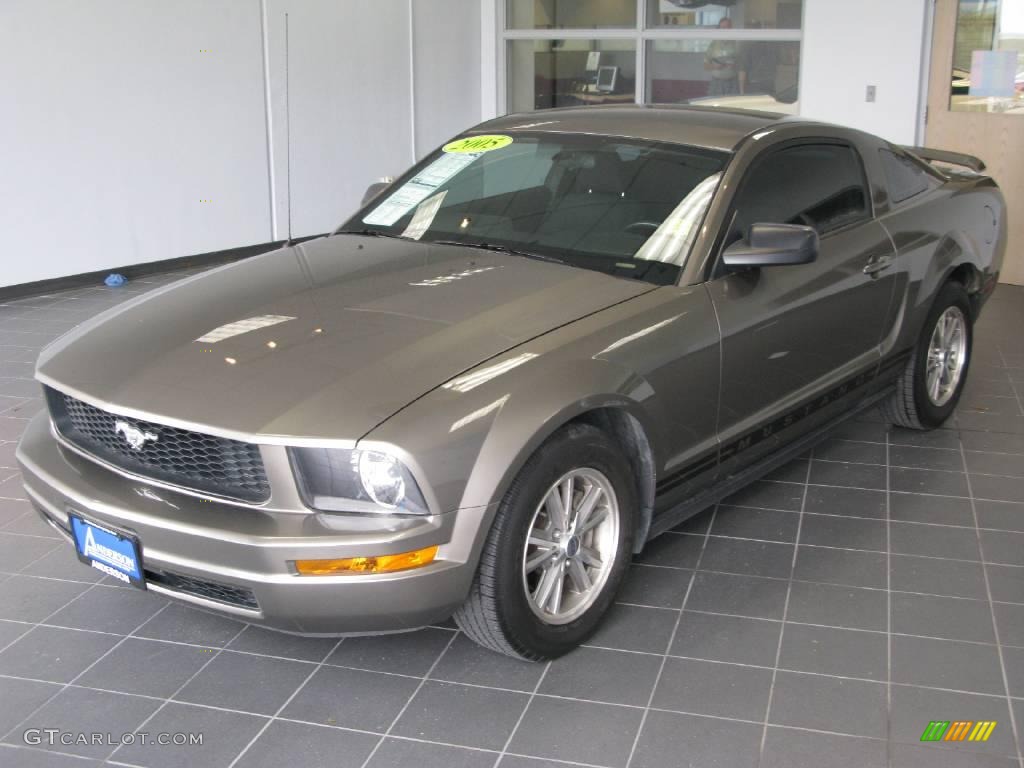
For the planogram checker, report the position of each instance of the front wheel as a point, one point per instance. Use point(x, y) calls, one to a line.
point(557, 551)
point(930, 386)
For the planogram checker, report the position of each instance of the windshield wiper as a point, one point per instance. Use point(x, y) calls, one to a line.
point(367, 233)
point(501, 249)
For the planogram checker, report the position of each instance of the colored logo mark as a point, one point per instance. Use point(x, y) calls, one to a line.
point(958, 730)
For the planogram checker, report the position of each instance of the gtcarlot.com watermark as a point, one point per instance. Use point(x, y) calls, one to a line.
point(53, 737)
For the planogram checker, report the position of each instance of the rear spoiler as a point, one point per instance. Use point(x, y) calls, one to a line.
point(953, 158)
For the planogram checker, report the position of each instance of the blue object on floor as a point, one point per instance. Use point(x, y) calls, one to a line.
point(115, 279)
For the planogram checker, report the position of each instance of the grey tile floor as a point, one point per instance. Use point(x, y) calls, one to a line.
point(820, 618)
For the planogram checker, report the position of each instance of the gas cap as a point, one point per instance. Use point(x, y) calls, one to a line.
point(991, 225)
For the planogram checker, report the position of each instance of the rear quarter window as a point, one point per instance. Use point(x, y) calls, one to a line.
point(904, 178)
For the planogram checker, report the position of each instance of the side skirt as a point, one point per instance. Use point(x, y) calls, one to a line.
point(686, 509)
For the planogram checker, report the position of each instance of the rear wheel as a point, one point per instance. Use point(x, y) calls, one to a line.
point(930, 386)
point(557, 551)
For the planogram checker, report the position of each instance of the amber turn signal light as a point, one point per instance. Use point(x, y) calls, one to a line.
point(373, 564)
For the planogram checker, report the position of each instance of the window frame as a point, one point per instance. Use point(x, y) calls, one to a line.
point(718, 248)
point(641, 34)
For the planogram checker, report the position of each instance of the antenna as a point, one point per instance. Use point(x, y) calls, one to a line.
point(287, 131)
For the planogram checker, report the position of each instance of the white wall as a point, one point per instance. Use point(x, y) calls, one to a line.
point(373, 85)
point(116, 126)
point(447, 69)
point(122, 117)
point(349, 103)
point(850, 45)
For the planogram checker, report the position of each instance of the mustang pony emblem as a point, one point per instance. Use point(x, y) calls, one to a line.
point(135, 437)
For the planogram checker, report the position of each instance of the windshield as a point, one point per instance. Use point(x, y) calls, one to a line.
point(624, 207)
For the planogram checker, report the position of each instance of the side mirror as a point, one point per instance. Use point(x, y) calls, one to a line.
point(773, 245)
point(376, 188)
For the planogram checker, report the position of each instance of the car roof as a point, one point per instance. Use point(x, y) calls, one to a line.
point(708, 127)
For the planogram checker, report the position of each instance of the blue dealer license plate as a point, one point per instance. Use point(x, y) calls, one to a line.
point(115, 554)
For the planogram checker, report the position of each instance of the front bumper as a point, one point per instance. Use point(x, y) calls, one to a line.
point(237, 559)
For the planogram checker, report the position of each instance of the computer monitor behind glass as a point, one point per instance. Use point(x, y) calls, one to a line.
point(606, 77)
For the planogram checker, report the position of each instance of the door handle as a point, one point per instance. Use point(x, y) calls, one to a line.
point(877, 265)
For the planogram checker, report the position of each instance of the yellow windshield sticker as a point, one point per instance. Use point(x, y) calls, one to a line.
point(475, 144)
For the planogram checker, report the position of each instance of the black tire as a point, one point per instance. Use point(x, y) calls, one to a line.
point(497, 613)
point(910, 406)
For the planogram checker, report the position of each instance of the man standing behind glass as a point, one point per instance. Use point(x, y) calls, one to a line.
point(757, 63)
point(720, 61)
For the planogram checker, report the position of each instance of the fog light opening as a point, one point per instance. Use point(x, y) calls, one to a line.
point(403, 561)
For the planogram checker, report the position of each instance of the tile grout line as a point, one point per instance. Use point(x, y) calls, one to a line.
point(785, 612)
point(216, 708)
point(30, 749)
point(704, 715)
point(840, 516)
point(909, 493)
point(1013, 385)
point(995, 623)
point(879, 490)
point(180, 688)
point(671, 640)
point(423, 681)
point(35, 624)
point(66, 685)
point(316, 668)
point(559, 761)
point(841, 549)
point(556, 760)
point(888, 607)
point(522, 715)
point(412, 739)
point(910, 467)
point(790, 670)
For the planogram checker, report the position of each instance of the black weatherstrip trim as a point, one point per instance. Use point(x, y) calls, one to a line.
point(790, 418)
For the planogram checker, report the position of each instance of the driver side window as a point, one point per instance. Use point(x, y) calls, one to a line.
point(815, 185)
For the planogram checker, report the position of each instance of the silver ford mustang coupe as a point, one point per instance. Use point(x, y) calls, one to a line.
point(556, 337)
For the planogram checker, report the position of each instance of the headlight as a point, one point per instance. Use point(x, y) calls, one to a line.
point(342, 480)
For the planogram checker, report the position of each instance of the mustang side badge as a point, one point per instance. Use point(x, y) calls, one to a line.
point(135, 437)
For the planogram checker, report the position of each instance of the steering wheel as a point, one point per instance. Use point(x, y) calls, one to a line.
point(643, 227)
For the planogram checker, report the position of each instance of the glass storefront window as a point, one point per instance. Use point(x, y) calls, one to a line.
point(988, 57)
point(749, 74)
point(570, 14)
point(566, 73)
point(741, 14)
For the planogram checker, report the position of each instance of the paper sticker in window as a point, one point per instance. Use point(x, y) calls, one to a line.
point(476, 144)
point(424, 216)
point(418, 189)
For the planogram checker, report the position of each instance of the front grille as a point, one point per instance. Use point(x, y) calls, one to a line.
point(210, 590)
point(181, 457)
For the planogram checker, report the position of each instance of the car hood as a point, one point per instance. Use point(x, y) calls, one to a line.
point(321, 340)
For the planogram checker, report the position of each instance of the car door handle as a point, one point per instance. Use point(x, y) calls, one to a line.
point(878, 264)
